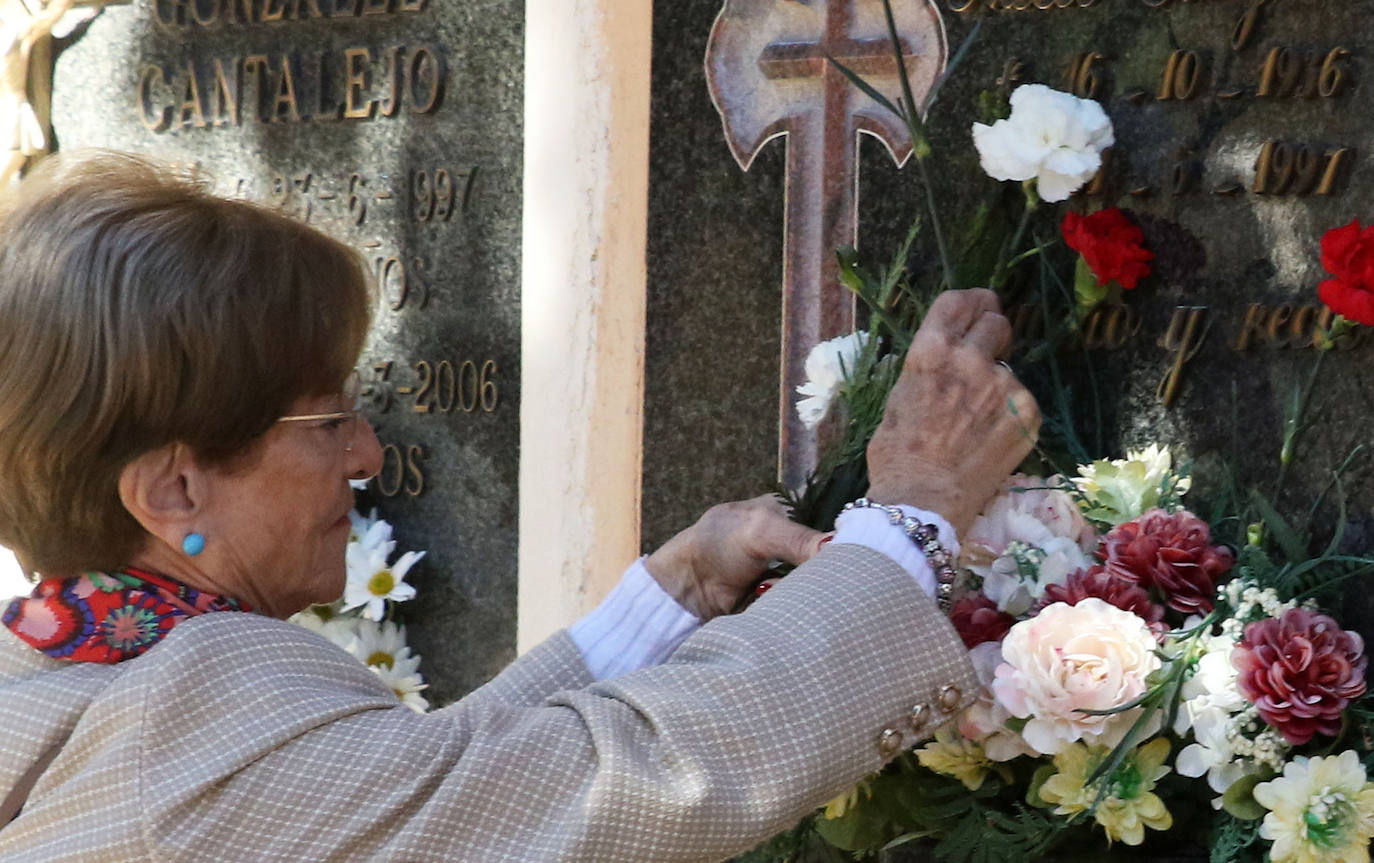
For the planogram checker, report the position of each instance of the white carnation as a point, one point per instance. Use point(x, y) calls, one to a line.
point(1052, 137)
point(826, 367)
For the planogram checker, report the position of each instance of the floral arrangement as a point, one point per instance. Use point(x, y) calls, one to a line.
point(363, 621)
point(1146, 672)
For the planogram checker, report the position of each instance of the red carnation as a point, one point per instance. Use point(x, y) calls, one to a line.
point(1348, 254)
point(1110, 243)
point(1172, 552)
point(1123, 593)
point(1300, 671)
point(977, 620)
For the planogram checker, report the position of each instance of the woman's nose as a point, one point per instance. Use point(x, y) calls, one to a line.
point(365, 459)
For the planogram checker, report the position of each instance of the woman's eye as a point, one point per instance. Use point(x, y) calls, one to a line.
point(335, 423)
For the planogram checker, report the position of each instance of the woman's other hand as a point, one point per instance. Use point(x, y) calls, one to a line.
point(957, 422)
point(708, 567)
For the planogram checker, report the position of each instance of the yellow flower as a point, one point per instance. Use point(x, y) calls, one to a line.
point(1321, 810)
point(848, 800)
point(1130, 805)
point(963, 759)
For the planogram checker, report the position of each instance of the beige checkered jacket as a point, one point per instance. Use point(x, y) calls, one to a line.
point(245, 738)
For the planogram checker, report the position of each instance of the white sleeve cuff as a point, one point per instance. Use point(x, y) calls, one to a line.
point(871, 528)
point(637, 625)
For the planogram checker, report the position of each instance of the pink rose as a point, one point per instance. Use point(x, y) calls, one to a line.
point(1070, 658)
point(985, 721)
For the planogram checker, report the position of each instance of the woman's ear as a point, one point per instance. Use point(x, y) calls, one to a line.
point(157, 489)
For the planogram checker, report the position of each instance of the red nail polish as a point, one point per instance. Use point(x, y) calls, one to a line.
point(762, 588)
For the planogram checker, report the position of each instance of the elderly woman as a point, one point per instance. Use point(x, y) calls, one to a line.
point(176, 439)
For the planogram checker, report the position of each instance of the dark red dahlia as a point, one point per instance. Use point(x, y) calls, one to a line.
point(1172, 552)
point(1124, 593)
point(1301, 671)
point(977, 620)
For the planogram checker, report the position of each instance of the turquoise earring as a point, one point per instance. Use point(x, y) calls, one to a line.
point(193, 544)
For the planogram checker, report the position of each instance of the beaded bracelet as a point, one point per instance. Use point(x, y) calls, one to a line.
point(927, 539)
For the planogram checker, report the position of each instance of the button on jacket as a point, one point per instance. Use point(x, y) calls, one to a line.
point(245, 738)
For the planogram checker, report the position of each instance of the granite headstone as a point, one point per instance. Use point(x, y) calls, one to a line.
point(396, 126)
point(1241, 138)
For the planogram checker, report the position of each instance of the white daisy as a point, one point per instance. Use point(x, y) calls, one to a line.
point(372, 581)
point(339, 629)
point(383, 645)
point(406, 686)
point(370, 531)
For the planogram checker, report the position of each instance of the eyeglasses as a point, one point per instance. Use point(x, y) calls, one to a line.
point(345, 420)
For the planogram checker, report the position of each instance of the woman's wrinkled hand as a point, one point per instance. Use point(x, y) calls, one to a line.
point(957, 422)
point(710, 566)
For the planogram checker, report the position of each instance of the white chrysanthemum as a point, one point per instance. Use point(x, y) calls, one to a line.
point(826, 367)
point(1027, 539)
point(1321, 810)
point(339, 629)
point(1052, 137)
point(1120, 490)
point(407, 686)
point(372, 581)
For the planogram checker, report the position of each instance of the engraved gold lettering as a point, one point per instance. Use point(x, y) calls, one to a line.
point(490, 396)
point(1251, 328)
point(286, 95)
point(425, 65)
point(255, 65)
point(1333, 167)
point(225, 103)
point(315, 10)
point(1300, 329)
point(356, 80)
point(415, 484)
point(326, 111)
point(274, 10)
point(391, 477)
point(376, 7)
point(1085, 76)
point(1332, 79)
point(192, 112)
point(424, 398)
point(170, 14)
point(389, 107)
point(1278, 318)
point(1184, 341)
point(1182, 74)
point(357, 207)
point(1245, 26)
point(210, 17)
point(153, 120)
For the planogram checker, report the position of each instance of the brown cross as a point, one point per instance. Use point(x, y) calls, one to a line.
point(767, 67)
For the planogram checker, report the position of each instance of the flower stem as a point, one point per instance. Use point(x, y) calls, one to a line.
point(940, 246)
point(1294, 424)
point(999, 273)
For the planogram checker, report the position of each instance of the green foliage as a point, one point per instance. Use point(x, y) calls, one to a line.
point(990, 836)
point(1233, 840)
point(1239, 800)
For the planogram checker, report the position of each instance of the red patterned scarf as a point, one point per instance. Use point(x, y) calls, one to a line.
point(106, 617)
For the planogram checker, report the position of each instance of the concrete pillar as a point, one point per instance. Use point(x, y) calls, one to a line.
point(583, 300)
